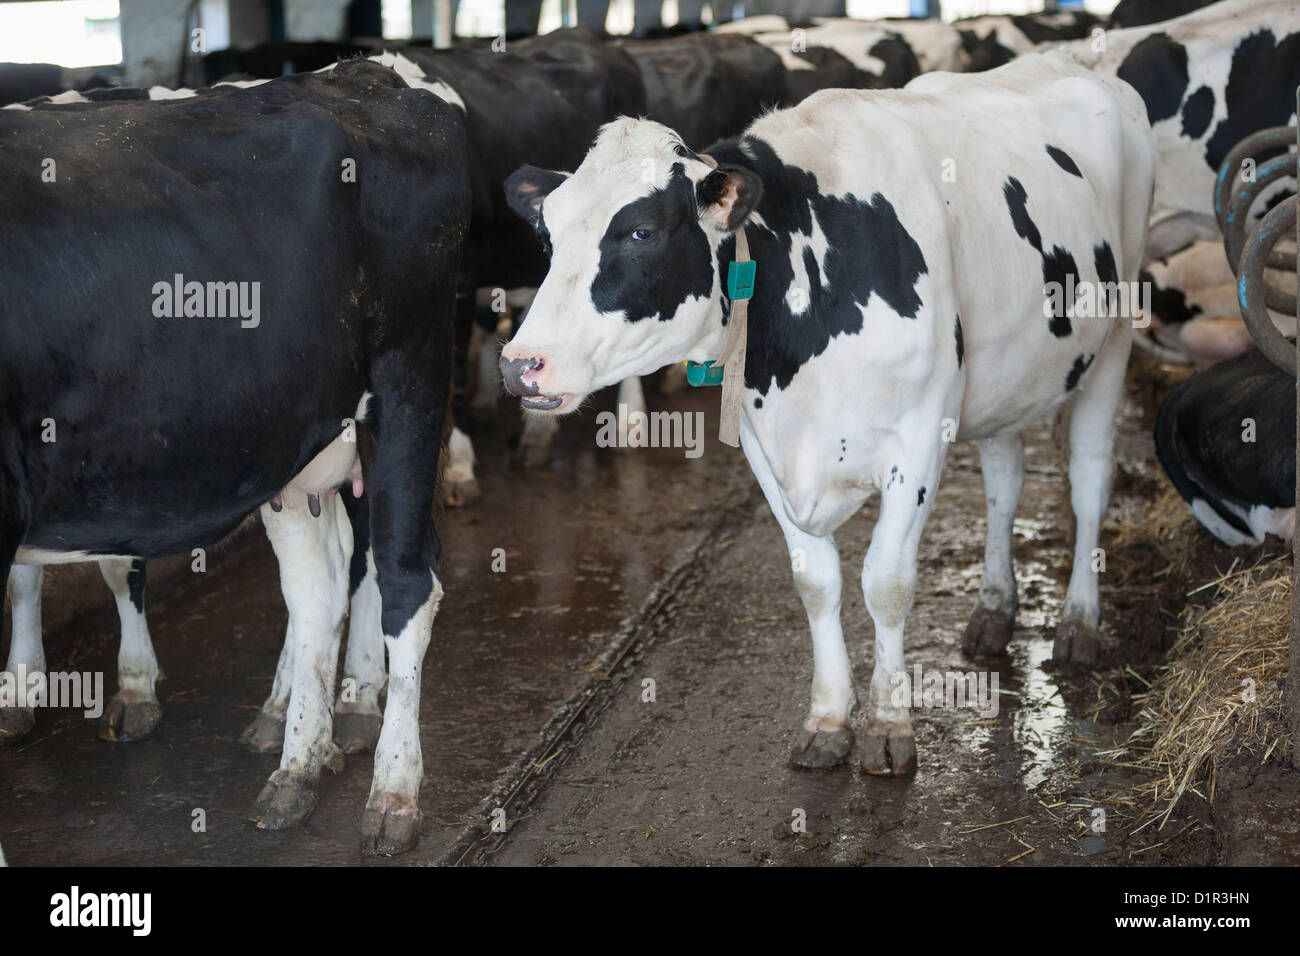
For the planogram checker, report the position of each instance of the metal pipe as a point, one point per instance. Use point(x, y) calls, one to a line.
point(1234, 237)
point(1277, 137)
point(1279, 223)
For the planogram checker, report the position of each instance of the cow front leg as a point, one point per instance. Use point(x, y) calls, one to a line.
point(993, 622)
point(825, 739)
point(26, 651)
point(357, 714)
point(313, 553)
point(1092, 437)
point(134, 712)
point(888, 744)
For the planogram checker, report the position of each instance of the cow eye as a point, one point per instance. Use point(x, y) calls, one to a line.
point(642, 234)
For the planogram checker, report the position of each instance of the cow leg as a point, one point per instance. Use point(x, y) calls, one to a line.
point(487, 388)
point(825, 739)
point(889, 585)
point(631, 394)
point(265, 735)
point(358, 717)
point(535, 443)
point(1092, 436)
point(992, 624)
point(400, 466)
point(459, 486)
point(26, 652)
point(313, 553)
point(134, 712)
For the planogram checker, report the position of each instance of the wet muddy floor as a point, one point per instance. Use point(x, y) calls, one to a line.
point(623, 566)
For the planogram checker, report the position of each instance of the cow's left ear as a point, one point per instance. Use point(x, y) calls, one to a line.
point(527, 186)
point(728, 195)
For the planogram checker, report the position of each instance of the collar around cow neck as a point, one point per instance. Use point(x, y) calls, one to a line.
point(729, 367)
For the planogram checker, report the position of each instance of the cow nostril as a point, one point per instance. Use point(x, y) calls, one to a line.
point(538, 365)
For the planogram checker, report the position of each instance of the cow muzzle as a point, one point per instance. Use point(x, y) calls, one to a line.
point(520, 376)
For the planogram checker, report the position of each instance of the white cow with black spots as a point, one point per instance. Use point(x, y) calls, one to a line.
point(903, 241)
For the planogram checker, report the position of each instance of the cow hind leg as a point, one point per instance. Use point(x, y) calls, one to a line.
point(399, 469)
point(266, 733)
point(1092, 436)
point(993, 622)
point(358, 717)
point(313, 553)
point(133, 713)
point(26, 651)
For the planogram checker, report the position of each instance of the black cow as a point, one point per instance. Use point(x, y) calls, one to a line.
point(1226, 439)
point(708, 85)
point(1138, 13)
point(543, 97)
point(200, 305)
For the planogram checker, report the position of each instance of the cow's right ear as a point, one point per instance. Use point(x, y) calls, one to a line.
point(728, 195)
point(527, 186)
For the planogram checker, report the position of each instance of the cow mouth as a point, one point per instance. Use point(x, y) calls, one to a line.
point(542, 403)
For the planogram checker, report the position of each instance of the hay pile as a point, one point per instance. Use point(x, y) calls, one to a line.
point(1198, 711)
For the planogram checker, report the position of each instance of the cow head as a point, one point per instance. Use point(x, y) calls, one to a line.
point(635, 236)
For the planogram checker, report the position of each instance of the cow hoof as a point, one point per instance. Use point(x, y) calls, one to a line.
point(461, 493)
point(286, 801)
point(822, 748)
point(358, 732)
point(389, 826)
point(888, 749)
point(987, 633)
point(125, 720)
point(1076, 643)
point(16, 723)
point(265, 735)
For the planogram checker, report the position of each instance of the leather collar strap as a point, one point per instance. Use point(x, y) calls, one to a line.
point(732, 358)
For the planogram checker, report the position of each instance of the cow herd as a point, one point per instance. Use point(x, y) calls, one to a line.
point(260, 296)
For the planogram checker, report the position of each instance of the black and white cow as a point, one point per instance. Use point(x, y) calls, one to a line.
point(1195, 312)
point(878, 330)
point(1208, 79)
point(990, 41)
point(1226, 439)
point(175, 415)
point(1137, 13)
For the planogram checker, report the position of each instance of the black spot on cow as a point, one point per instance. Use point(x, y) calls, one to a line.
point(901, 64)
point(961, 344)
point(1157, 68)
point(1104, 260)
point(758, 402)
point(631, 277)
point(920, 497)
point(1168, 305)
point(1260, 91)
point(1080, 366)
point(870, 253)
point(1059, 268)
point(1197, 112)
point(983, 52)
point(1063, 160)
